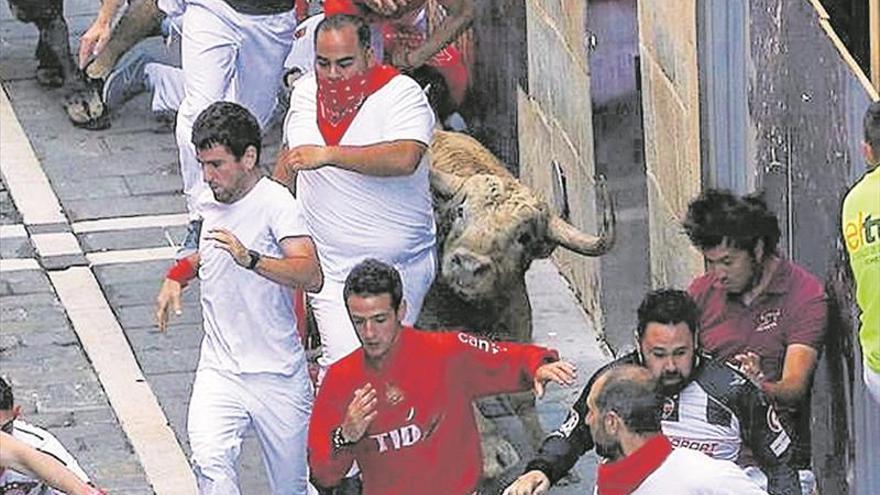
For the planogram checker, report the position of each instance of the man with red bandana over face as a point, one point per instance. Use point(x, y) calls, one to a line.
point(765, 313)
point(402, 37)
point(357, 133)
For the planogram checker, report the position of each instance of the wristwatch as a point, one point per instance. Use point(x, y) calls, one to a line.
point(255, 258)
point(337, 439)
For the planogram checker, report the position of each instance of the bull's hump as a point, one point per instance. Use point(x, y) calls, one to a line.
point(464, 156)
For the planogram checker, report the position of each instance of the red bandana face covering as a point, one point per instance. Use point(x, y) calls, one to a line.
point(339, 100)
point(624, 476)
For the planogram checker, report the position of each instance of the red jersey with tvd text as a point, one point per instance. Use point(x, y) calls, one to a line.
point(424, 439)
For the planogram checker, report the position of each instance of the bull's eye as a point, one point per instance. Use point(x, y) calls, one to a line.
point(525, 238)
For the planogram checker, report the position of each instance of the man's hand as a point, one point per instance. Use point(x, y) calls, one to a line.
point(93, 41)
point(168, 300)
point(750, 365)
point(361, 412)
point(305, 157)
point(227, 241)
point(561, 372)
point(532, 483)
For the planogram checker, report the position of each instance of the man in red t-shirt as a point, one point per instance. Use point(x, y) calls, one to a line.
point(763, 312)
point(401, 406)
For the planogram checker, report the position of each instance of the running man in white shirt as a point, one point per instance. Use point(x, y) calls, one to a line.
point(231, 50)
point(252, 370)
point(357, 134)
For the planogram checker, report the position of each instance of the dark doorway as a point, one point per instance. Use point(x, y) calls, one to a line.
point(612, 44)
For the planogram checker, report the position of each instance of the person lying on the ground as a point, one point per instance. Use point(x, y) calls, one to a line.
point(19, 456)
point(100, 49)
point(137, 59)
point(401, 406)
point(33, 436)
point(708, 406)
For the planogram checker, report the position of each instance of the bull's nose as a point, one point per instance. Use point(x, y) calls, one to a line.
point(469, 264)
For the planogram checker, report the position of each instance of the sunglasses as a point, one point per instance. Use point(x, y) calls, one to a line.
point(7, 427)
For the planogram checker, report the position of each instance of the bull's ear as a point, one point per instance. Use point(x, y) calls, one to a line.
point(445, 184)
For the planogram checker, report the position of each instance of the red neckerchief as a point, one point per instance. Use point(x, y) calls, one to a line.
point(624, 476)
point(340, 100)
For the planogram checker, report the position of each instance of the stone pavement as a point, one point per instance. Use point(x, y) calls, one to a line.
point(119, 191)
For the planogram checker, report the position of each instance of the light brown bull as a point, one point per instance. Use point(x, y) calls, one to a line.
point(490, 227)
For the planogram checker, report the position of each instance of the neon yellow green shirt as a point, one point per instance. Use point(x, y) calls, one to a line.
point(861, 234)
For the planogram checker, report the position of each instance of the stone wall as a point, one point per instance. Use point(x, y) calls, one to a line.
point(670, 104)
point(555, 125)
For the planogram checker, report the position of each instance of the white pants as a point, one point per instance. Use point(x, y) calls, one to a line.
point(227, 56)
point(224, 406)
point(338, 337)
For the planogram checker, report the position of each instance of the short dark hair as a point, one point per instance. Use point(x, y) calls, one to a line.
point(668, 306)
point(718, 215)
point(227, 124)
point(872, 127)
point(339, 21)
point(372, 277)
point(7, 400)
point(631, 392)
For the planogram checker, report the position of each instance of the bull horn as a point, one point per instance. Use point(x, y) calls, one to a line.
point(445, 184)
point(570, 237)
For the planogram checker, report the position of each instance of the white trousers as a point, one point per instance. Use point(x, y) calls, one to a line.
point(224, 406)
point(227, 56)
point(338, 337)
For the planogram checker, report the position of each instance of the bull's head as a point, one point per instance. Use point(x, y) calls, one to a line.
point(492, 227)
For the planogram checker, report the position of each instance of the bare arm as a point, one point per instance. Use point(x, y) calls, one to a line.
point(168, 298)
point(96, 36)
point(388, 159)
point(21, 457)
point(797, 373)
point(460, 15)
point(298, 267)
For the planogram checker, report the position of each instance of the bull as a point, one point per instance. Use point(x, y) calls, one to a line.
point(490, 227)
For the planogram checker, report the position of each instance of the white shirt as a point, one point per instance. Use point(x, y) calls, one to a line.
point(352, 216)
point(249, 321)
point(45, 442)
point(688, 472)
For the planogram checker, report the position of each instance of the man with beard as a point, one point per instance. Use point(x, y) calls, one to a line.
point(624, 416)
point(252, 369)
point(707, 405)
point(763, 312)
point(357, 133)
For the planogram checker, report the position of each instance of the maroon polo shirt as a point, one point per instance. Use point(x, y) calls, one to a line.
point(791, 310)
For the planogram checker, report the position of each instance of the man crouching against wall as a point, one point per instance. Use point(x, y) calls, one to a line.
point(401, 405)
